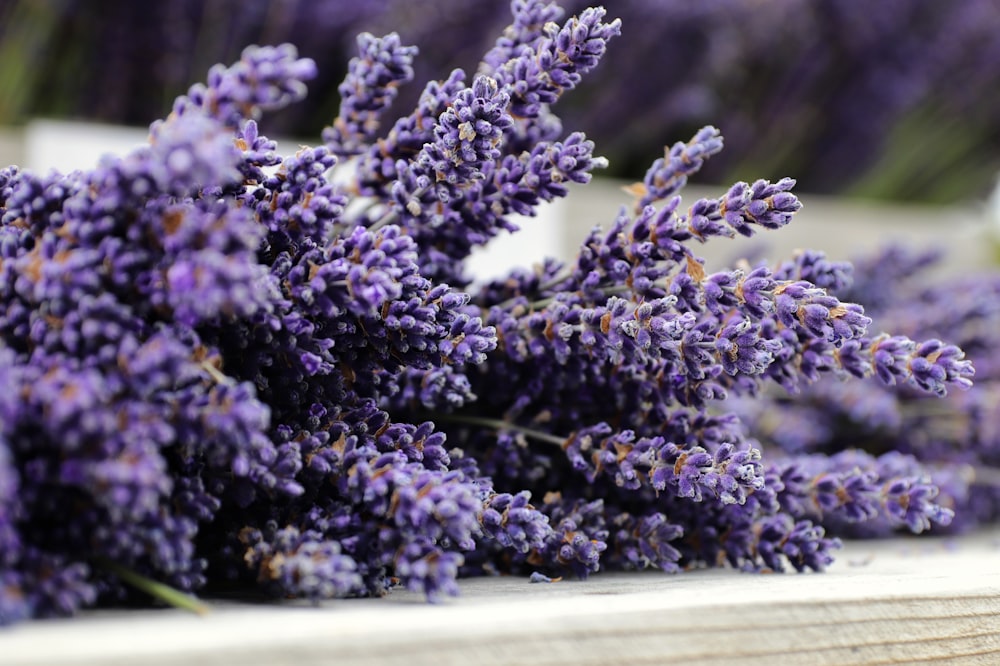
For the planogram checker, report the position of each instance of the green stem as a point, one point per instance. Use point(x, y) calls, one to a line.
point(217, 375)
point(498, 424)
point(157, 590)
point(548, 300)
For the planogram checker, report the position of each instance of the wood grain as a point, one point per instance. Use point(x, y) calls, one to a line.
point(898, 602)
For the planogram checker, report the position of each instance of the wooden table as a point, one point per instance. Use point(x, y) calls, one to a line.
point(902, 601)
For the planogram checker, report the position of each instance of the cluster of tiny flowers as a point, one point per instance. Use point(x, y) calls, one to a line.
point(204, 332)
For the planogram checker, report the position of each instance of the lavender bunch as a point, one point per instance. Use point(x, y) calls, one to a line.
point(288, 349)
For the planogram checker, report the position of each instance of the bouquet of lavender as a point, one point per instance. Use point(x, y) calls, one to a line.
point(220, 367)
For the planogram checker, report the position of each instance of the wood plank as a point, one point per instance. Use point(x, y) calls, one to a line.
point(900, 601)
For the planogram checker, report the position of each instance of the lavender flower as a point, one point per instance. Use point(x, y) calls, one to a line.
point(801, 544)
point(670, 173)
point(264, 78)
point(578, 536)
point(299, 563)
point(467, 134)
point(383, 64)
point(514, 523)
point(646, 542)
point(559, 61)
point(911, 504)
point(530, 19)
point(428, 569)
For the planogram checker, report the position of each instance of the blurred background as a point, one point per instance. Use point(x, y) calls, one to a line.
point(894, 99)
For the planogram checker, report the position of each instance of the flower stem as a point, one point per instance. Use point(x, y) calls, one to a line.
point(217, 375)
point(498, 424)
point(169, 595)
point(610, 290)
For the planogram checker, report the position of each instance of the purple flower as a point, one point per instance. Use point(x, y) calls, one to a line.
point(852, 495)
point(258, 152)
point(813, 266)
point(381, 167)
point(727, 475)
point(935, 364)
point(579, 536)
point(420, 443)
point(930, 366)
point(299, 563)
point(670, 173)
point(441, 389)
point(47, 585)
point(801, 544)
point(201, 331)
point(770, 205)
point(435, 506)
point(800, 304)
point(528, 27)
point(298, 201)
point(423, 567)
point(539, 74)
point(645, 542)
point(742, 348)
point(859, 494)
point(514, 523)
point(468, 133)
point(264, 78)
point(909, 502)
point(373, 76)
point(187, 153)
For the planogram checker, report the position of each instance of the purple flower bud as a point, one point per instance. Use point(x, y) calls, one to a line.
point(514, 523)
point(426, 568)
point(909, 502)
point(527, 28)
point(801, 544)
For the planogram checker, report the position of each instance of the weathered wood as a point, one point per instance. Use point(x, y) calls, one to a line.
point(902, 601)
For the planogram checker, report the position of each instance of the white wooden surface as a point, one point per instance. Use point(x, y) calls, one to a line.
point(901, 601)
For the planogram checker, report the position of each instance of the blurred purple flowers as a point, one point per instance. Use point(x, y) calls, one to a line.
point(856, 101)
point(201, 331)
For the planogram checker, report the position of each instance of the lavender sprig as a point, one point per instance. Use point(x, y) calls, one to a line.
point(383, 64)
point(467, 134)
point(540, 74)
point(670, 173)
point(528, 27)
point(265, 78)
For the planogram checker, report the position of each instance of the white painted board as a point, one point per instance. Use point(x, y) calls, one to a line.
point(899, 601)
